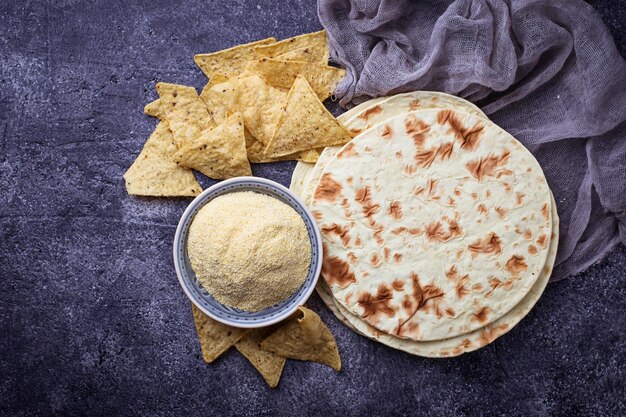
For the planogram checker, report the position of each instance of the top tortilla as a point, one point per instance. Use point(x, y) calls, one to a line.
point(458, 265)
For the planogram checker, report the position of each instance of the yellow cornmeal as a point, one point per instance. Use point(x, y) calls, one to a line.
point(249, 250)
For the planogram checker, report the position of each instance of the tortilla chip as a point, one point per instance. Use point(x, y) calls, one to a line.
point(304, 337)
point(259, 103)
point(316, 54)
point(269, 365)
point(229, 62)
point(311, 156)
point(255, 149)
point(217, 109)
point(218, 153)
point(155, 174)
point(215, 337)
point(185, 113)
point(305, 124)
point(281, 74)
point(307, 40)
point(153, 108)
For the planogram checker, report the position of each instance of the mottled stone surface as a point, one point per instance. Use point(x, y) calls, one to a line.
point(92, 320)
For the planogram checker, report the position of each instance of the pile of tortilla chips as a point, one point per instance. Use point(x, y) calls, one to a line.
point(303, 337)
point(263, 103)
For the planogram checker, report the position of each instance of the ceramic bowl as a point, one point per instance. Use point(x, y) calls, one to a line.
point(202, 299)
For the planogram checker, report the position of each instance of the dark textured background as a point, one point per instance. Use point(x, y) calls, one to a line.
point(92, 320)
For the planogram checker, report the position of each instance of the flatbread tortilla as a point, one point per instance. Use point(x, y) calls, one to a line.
point(433, 279)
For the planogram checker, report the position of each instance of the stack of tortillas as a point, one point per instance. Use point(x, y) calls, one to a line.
point(439, 228)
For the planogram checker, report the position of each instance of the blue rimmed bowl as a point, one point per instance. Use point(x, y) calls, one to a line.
point(202, 299)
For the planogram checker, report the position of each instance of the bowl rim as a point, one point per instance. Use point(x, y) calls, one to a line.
point(316, 232)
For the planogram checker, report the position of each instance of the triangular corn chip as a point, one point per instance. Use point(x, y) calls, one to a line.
point(155, 174)
point(304, 337)
point(270, 366)
point(218, 153)
point(186, 114)
point(256, 155)
point(259, 103)
point(281, 74)
point(215, 337)
point(311, 156)
point(153, 108)
point(305, 124)
point(317, 54)
point(228, 62)
point(291, 44)
point(217, 109)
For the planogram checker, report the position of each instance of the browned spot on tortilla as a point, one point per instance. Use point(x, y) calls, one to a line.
point(490, 244)
point(347, 151)
point(507, 187)
point(519, 198)
point(397, 258)
point(426, 158)
point(375, 260)
point(457, 192)
point(488, 194)
point(459, 253)
point(395, 210)
point(349, 180)
point(376, 305)
point(398, 230)
point(494, 282)
point(355, 132)
point(419, 299)
point(542, 240)
point(451, 202)
point(468, 137)
point(358, 242)
point(386, 132)
point(431, 186)
point(352, 258)
point(317, 215)
point(482, 209)
point(461, 290)
point(363, 196)
point(451, 272)
point(528, 235)
point(415, 231)
point(414, 105)
point(398, 284)
point(410, 169)
point(337, 272)
point(370, 112)
point(445, 150)
point(482, 315)
point(532, 249)
point(501, 212)
point(490, 333)
point(377, 236)
point(477, 287)
point(387, 254)
point(342, 232)
point(515, 265)
point(461, 280)
point(367, 149)
point(328, 189)
point(450, 312)
point(414, 126)
point(545, 211)
point(487, 166)
point(418, 190)
point(399, 155)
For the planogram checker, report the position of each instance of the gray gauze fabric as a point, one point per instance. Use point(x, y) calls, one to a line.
point(547, 72)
